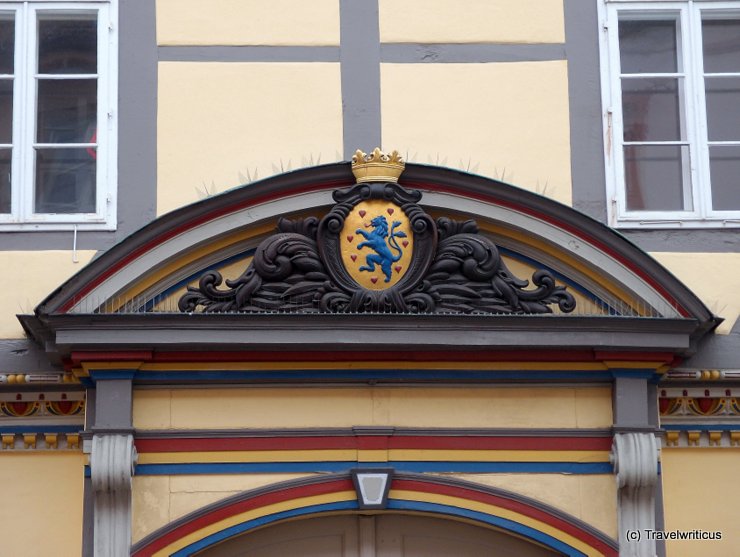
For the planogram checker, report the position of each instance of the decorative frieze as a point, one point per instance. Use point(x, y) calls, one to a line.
point(702, 375)
point(699, 402)
point(34, 440)
point(41, 404)
point(701, 436)
point(37, 378)
point(700, 417)
point(41, 421)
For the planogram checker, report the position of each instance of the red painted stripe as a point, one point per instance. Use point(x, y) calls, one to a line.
point(200, 219)
point(177, 445)
point(510, 504)
point(345, 485)
point(118, 356)
point(239, 507)
point(564, 226)
point(663, 357)
point(377, 356)
point(315, 187)
point(380, 442)
point(405, 356)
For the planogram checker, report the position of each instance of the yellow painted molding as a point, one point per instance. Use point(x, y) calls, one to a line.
point(29, 440)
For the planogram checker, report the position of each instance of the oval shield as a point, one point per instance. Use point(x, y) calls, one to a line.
point(376, 244)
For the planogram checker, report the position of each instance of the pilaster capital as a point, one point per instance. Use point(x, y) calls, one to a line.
point(635, 460)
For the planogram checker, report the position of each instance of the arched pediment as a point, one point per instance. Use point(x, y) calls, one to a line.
point(616, 286)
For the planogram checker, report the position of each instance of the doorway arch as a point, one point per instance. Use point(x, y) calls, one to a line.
point(377, 535)
point(495, 511)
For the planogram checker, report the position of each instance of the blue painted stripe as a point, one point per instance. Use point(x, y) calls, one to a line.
point(41, 428)
point(257, 522)
point(380, 375)
point(503, 523)
point(701, 427)
point(610, 310)
point(190, 278)
point(97, 374)
point(400, 466)
point(393, 504)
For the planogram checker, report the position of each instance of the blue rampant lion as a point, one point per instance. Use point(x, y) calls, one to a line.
point(376, 240)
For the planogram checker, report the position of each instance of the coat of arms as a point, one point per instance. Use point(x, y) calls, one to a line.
point(377, 250)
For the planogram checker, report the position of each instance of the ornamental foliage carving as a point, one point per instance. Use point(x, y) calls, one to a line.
point(377, 251)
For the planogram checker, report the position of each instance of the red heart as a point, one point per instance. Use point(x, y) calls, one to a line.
point(397, 268)
point(350, 238)
point(405, 243)
point(373, 279)
point(390, 211)
point(363, 213)
point(353, 257)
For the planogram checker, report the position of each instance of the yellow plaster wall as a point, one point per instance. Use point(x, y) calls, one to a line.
point(41, 513)
point(712, 277)
point(505, 121)
point(472, 21)
point(700, 492)
point(158, 500)
point(247, 22)
point(592, 498)
point(345, 407)
point(219, 120)
point(38, 273)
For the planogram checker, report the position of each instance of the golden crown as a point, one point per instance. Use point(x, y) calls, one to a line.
point(377, 166)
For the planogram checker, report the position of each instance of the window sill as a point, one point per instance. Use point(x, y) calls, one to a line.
point(56, 226)
point(679, 224)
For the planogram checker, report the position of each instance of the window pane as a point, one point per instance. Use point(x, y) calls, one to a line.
point(7, 43)
point(721, 39)
point(657, 177)
point(65, 181)
point(648, 46)
point(66, 110)
point(724, 163)
point(6, 110)
point(68, 44)
point(723, 108)
point(651, 109)
point(5, 157)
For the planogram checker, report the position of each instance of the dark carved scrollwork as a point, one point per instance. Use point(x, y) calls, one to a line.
point(468, 275)
point(453, 269)
point(286, 274)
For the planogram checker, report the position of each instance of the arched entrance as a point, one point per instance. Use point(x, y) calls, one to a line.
point(425, 516)
point(380, 535)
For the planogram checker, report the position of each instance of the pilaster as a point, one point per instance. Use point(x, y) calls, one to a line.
point(112, 460)
point(635, 459)
point(112, 467)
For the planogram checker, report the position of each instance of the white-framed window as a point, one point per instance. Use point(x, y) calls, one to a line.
point(58, 65)
point(671, 96)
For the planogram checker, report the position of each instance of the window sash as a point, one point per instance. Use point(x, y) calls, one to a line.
point(25, 109)
point(694, 112)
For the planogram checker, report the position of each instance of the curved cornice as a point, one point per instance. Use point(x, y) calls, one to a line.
point(590, 253)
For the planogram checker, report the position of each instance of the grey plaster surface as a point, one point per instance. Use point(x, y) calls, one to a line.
point(249, 53)
point(113, 404)
point(418, 53)
point(584, 94)
point(359, 56)
point(630, 403)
